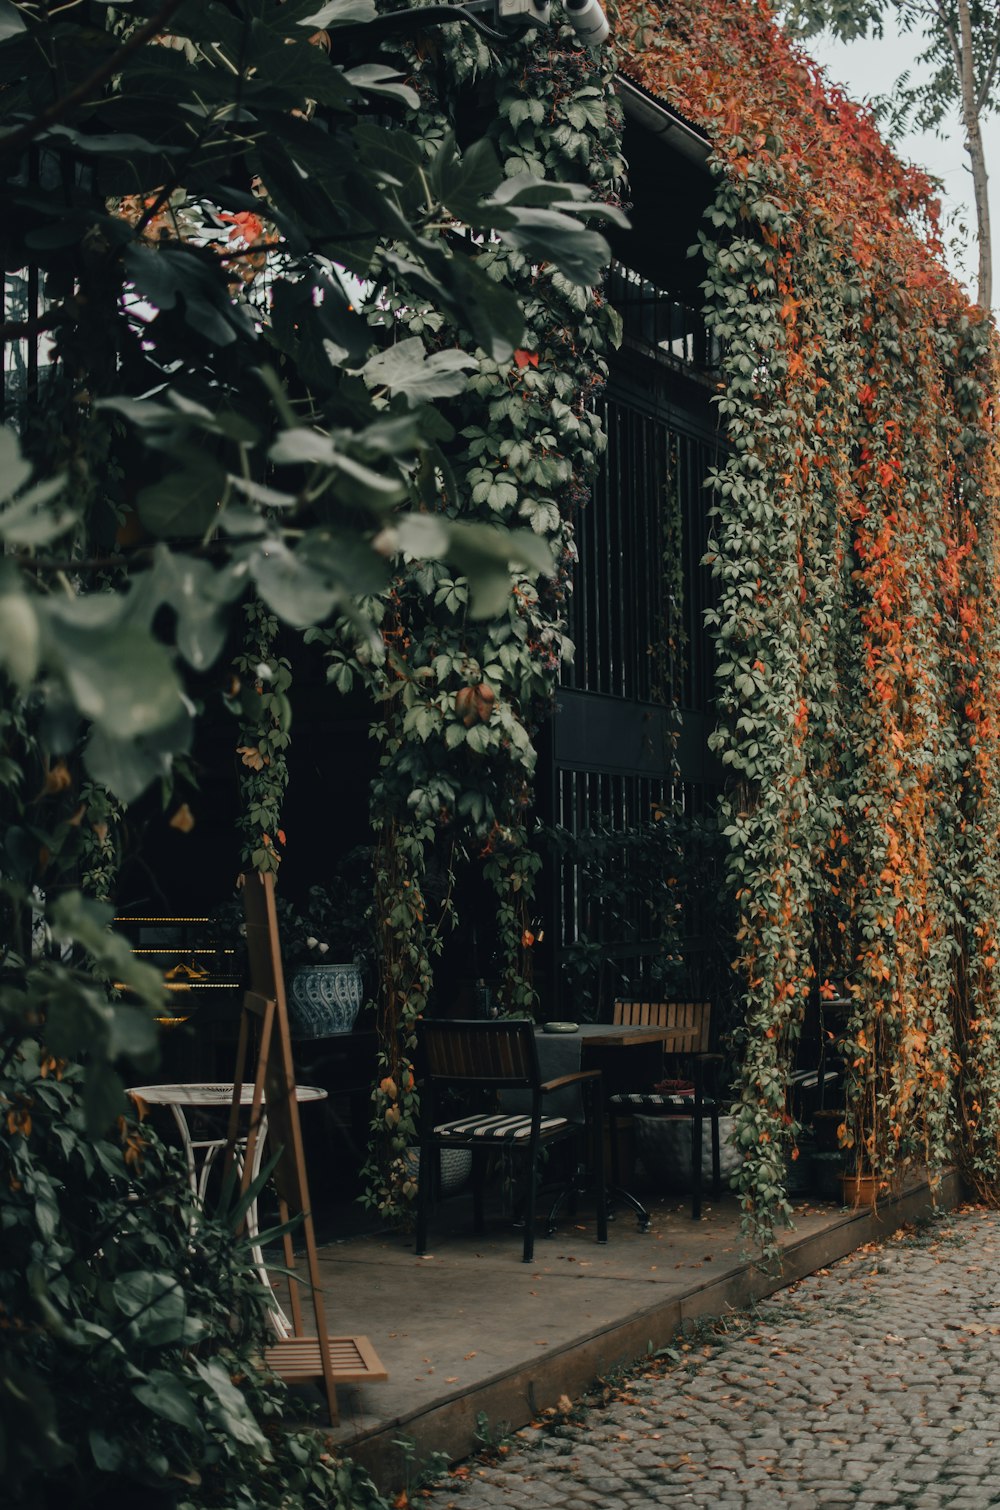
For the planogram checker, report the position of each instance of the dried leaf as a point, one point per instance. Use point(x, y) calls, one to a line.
point(183, 819)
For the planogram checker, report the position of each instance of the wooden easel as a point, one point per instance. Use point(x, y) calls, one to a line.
point(294, 1356)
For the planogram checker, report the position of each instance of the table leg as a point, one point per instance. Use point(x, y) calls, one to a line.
point(200, 1155)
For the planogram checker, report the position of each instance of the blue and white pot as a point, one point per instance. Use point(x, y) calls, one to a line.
point(323, 1000)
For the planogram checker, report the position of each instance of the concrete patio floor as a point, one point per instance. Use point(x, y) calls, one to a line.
point(469, 1333)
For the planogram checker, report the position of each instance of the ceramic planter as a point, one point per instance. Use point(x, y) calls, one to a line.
point(323, 1000)
point(862, 1189)
point(456, 1167)
point(663, 1147)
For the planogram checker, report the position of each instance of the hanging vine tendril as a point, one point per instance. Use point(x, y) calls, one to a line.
point(856, 557)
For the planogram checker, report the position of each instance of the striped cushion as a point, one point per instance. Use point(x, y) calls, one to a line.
point(657, 1101)
point(497, 1127)
point(808, 1080)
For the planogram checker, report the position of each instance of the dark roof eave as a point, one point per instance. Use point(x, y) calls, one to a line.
point(656, 117)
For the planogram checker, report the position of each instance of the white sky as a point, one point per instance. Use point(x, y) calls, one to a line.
point(869, 68)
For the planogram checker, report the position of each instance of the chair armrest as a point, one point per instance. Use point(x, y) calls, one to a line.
point(555, 1085)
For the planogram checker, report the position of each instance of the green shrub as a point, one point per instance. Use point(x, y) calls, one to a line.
point(132, 1325)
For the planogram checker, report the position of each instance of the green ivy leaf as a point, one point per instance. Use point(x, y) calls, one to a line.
point(154, 1304)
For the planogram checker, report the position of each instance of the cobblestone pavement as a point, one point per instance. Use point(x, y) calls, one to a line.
point(875, 1382)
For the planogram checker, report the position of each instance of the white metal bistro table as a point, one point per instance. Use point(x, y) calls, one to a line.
point(203, 1146)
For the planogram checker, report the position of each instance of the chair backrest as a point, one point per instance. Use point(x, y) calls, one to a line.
point(479, 1053)
point(669, 1014)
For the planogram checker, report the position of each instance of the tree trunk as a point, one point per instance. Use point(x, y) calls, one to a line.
point(977, 157)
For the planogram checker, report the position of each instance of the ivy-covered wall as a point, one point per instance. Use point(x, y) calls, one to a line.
point(856, 554)
point(459, 698)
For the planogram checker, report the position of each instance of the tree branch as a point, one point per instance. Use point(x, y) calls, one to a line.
point(16, 330)
point(986, 86)
point(20, 137)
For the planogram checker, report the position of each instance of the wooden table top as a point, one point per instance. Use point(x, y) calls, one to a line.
point(615, 1035)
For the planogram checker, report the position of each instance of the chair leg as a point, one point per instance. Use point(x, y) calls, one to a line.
point(529, 1207)
point(616, 1174)
point(597, 1124)
point(716, 1158)
point(696, 1133)
point(616, 1190)
point(423, 1198)
point(479, 1156)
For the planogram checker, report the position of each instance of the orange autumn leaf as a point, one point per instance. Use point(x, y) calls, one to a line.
point(183, 819)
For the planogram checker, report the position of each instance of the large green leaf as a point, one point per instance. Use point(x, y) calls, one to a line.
point(340, 13)
point(31, 522)
point(295, 592)
point(183, 503)
point(417, 375)
point(120, 143)
point(424, 537)
point(345, 559)
point(487, 556)
point(133, 1035)
point(378, 79)
point(461, 181)
point(487, 310)
point(125, 766)
point(103, 1097)
point(392, 156)
point(546, 235)
point(154, 1304)
point(542, 219)
point(119, 677)
point(107, 1452)
point(14, 470)
point(198, 594)
point(79, 920)
point(20, 638)
point(128, 766)
point(357, 483)
point(167, 275)
point(12, 22)
point(231, 1405)
point(165, 1395)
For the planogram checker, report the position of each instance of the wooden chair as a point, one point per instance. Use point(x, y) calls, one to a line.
point(692, 1019)
point(493, 1057)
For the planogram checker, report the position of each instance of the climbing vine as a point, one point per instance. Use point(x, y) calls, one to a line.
point(260, 696)
point(855, 553)
point(461, 684)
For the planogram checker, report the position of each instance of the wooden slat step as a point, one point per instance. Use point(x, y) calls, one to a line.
point(353, 1360)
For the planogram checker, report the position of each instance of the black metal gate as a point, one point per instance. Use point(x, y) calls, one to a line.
point(633, 781)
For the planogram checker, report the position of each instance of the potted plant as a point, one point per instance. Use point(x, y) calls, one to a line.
point(326, 941)
point(861, 1186)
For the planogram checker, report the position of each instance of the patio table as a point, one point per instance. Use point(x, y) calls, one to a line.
point(566, 1052)
point(192, 1105)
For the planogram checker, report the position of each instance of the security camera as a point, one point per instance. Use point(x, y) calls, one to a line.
point(523, 12)
point(585, 16)
point(588, 21)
